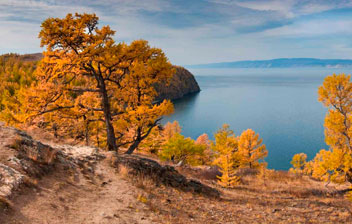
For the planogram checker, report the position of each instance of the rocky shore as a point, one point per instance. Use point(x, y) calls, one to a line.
point(181, 84)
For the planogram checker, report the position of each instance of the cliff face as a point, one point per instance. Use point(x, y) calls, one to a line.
point(181, 84)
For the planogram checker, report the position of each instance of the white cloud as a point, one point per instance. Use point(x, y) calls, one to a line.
point(283, 7)
point(316, 6)
point(288, 8)
point(312, 28)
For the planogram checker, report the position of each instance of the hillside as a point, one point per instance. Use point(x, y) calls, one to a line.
point(43, 182)
point(280, 63)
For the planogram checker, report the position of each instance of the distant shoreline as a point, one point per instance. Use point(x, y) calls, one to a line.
point(280, 63)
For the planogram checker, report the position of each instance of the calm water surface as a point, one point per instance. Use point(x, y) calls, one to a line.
point(279, 104)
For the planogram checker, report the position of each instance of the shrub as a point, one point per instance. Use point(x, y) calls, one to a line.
point(180, 149)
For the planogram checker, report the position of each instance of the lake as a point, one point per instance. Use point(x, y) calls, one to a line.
point(279, 104)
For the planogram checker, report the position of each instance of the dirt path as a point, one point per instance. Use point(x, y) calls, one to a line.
point(102, 197)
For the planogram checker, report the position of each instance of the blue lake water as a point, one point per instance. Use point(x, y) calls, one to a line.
point(279, 104)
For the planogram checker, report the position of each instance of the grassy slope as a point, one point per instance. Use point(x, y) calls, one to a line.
point(278, 197)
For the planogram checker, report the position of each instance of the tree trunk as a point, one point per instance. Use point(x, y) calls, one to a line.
point(133, 147)
point(87, 134)
point(111, 139)
point(97, 138)
point(349, 176)
point(139, 139)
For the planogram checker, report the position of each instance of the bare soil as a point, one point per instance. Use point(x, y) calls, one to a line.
point(103, 197)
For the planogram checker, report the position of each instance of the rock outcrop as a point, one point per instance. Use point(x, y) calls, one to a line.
point(21, 158)
point(180, 85)
point(24, 159)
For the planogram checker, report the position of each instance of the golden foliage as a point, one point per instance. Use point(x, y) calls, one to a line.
point(154, 142)
point(208, 154)
point(169, 144)
point(336, 94)
point(227, 156)
point(182, 150)
point(233, 152)
point(251, 149)
point(349, 195)
point(16, 75)
point(331, 165)
point(298, 162)
point(228, 176)
point(334, 164)
point(159, 136)
point(170, 129)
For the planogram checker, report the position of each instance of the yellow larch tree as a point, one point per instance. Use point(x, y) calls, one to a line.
point(251, 149)
point(228, 176)
point(298, 162)
point(148, 67)
point(226, 155)
point(330, 165)
point(335, 164)
point(86, 78)
point(159, 136)
point(208, 156)
point(336, 94)
point(170, 129)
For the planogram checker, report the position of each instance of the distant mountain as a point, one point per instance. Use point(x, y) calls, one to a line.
point(280, 63)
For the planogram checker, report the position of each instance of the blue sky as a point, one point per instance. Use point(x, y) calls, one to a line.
point(198, 31)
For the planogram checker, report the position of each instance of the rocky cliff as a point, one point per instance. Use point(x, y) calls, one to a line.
point(181, 84)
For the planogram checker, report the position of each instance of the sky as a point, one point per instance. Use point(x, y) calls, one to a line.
point(198, 31)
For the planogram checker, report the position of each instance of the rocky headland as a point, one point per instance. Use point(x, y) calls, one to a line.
point(181, 84)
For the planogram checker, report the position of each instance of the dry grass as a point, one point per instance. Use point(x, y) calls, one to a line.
point(140, 181)
point(272, 197)
point(123, 171)
point(289, 184)
point(266, 196)
point(144, 182)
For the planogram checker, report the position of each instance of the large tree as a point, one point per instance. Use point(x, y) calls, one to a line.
point(334, 164)
point(336, 94)
point(86, 79)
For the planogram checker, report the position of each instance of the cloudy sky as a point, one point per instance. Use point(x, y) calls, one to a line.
point(198, 31)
